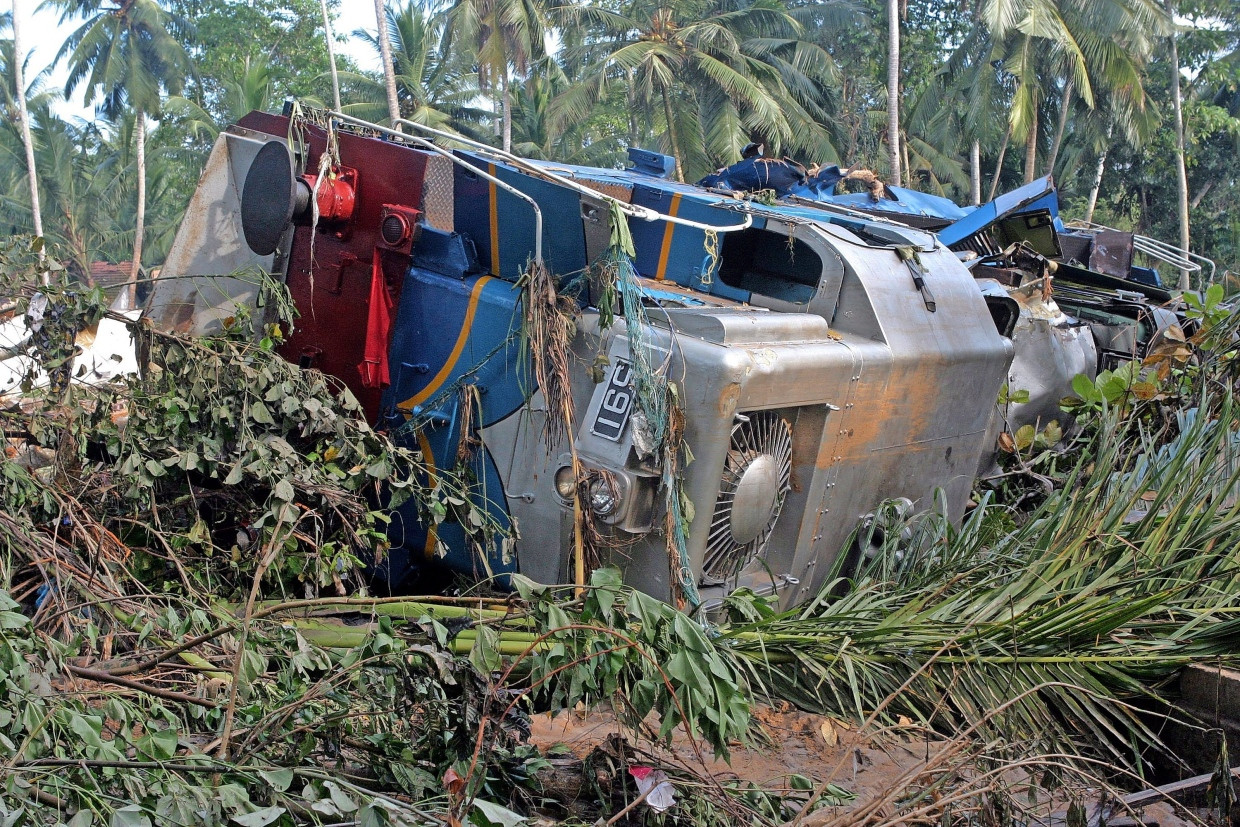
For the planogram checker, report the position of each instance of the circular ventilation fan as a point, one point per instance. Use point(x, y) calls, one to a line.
point(755, 480)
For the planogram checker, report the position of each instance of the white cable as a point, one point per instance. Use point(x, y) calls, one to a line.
point(637, 211)
point(538, 218)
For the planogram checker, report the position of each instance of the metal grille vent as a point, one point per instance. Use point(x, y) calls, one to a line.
point(982, 243)
point(755, 481)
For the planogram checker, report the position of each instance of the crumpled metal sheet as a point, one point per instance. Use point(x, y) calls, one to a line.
point(1049, 354)
point(1049, 349)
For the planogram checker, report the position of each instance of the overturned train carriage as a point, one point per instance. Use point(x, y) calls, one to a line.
point(823, 363)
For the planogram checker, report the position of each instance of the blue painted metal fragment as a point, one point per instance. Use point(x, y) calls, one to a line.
point(1037, 195)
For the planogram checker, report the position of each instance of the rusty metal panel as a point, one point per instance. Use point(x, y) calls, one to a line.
point(620, 192)
point(1075, 247)
point(1111, 253)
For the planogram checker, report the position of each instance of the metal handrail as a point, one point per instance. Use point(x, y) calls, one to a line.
point(634, 210)
point(1153, 247)
point(422, 142)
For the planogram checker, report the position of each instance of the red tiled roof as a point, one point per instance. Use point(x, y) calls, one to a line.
point(105, 274)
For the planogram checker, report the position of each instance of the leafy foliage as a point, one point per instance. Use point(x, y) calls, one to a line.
point(221, 472)
point(218, 441)
point(640, 649)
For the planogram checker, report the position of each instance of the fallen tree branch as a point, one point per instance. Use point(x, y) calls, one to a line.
point(168, 654)
point(166, 694)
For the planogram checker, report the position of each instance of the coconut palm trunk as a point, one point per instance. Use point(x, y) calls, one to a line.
point(631, 97)
point(24, 116)
point(331, 54)
point(671, 132)
point(133, 55)
point(389, 71)
point(1102, 165)
point(1031, 146)
point(136, 266)
point(1064, 106)
point(893, 89)
point(975, 173)
point(506, 105)
point(994, 182)
point(1181, 173)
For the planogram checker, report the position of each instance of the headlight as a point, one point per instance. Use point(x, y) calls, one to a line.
point(565, 482)
point(603, 499)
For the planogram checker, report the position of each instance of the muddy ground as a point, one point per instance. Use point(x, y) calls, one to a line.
point(885, 769)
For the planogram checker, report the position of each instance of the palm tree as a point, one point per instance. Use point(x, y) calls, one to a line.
point(933, 139)
point(719, 75)
point(389, 70)
point(252, 88)
point(597, 141)
point(433, 87)
point(19, 58)
point(504, 35)
point(980, 91)
point(82, 198)
point(893, 88)
point(127, 55)
point(1079, 46)
point(1181, 172)
point(86, 187)
point(1043, 59)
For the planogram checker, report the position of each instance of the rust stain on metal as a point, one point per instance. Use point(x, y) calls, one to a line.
point(728, 399)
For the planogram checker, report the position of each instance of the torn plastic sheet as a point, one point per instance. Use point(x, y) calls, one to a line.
point(655, 786)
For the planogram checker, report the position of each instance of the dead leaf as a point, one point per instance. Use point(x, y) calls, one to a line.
point(828, 732)
point(452, 782)
point(1006, 444)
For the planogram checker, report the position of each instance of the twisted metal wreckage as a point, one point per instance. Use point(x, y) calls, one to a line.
point(819, 353)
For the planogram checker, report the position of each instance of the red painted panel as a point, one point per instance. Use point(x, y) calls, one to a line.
point(335, 302)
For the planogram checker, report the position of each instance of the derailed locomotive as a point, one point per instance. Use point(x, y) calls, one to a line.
point(824, 361)
point(1081, 302)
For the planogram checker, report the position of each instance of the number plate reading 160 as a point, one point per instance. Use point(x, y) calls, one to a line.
point(617, 402)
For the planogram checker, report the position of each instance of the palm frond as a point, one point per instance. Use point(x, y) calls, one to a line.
point(1114, 585)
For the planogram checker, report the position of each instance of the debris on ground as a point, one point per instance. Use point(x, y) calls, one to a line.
point(186, 635)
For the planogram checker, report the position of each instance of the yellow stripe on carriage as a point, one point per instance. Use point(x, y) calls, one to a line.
point(428, 459)
point(457, 349)
point(666, 249)
point(494, 224)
